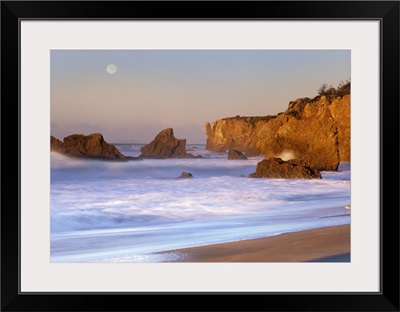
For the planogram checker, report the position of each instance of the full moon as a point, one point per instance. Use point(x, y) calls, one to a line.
point(111, 69)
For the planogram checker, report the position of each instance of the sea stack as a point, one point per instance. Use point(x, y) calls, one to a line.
point(165, 145)
point(91, 146)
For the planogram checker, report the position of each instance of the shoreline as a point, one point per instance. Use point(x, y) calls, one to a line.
point(328, 244)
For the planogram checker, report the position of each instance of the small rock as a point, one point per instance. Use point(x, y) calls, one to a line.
point(185, 175)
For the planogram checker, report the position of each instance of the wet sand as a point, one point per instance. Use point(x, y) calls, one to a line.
point(330, 244)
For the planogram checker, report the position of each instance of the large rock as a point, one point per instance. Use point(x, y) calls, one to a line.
point(280, 169)
point(315, 130)
point(165, 145)
point(307, 130)
point(86, 146)
point(236, 155)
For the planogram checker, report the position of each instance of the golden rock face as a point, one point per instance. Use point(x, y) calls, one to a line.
point(316, 131)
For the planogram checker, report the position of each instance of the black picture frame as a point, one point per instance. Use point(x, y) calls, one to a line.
point(385, 11)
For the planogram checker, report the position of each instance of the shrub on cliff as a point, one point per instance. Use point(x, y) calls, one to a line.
point(330, 93)
point(323, 89)
point(343, 88)
point(253, 120)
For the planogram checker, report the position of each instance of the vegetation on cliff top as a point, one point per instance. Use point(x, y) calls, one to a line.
point(328, 91)
point(314, 130)
point(251, 120)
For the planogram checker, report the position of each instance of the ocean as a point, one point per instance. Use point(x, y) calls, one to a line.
point(104, 211)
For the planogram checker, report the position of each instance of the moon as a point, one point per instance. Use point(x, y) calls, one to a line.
point(111, 69)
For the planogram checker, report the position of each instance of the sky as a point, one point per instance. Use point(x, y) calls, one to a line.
point(181, 89)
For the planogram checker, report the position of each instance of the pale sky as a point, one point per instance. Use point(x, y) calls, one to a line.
point(181, 89)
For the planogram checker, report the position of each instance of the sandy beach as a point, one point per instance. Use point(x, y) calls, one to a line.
point(330, 244)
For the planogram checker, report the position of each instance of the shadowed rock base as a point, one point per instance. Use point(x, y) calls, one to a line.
point(236, 155)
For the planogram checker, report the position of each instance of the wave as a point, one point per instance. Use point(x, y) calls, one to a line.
point(123, 210)
point(65, 168)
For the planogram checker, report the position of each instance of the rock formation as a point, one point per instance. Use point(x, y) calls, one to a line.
point(165, 145)
point(56, 145)
point(239, 133)
point(340, 110)
point(280, 169)
point(86, 146)
point(235, 155)
point(316, 131)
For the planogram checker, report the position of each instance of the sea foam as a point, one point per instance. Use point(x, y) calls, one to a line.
point(102, 210)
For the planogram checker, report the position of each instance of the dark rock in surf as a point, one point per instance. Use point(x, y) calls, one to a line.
point(235, 155)
point(185, 175)
point(165, 145)
point(280, 169)
point(133, 158)
point(91, 146)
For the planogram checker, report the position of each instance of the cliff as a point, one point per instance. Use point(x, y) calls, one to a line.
point(316, 131)
point(238, 133)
